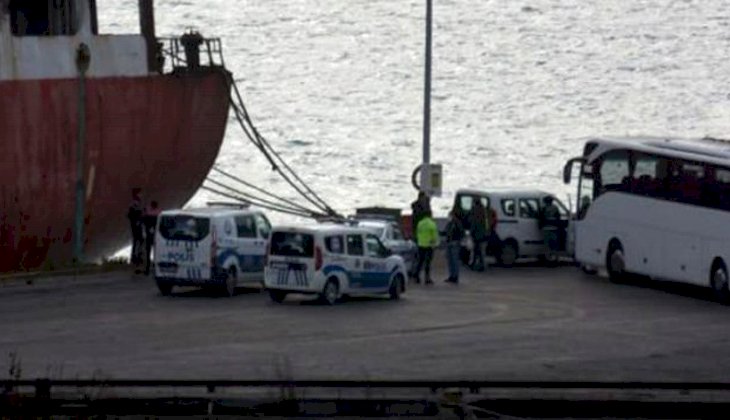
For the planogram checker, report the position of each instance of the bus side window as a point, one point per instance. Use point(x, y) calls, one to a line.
point(716, 189)
point(644, 180)
point(614, 172)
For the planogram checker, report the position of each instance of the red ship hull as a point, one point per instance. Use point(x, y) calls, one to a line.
point(160, 133)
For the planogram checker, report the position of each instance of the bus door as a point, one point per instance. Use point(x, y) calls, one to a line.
point(584, 198)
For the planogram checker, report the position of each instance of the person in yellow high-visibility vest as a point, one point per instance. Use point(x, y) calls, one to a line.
point(427, 238)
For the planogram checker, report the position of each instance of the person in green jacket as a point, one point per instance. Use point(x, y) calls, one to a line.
point(427, 238)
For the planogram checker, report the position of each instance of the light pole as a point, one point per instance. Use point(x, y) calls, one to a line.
point(427, 100)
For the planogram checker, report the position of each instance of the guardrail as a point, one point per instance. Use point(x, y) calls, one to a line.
point(599, 399)
point(188, 52)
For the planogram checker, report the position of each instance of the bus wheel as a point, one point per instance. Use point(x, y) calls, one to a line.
point(277, 296)
point(615, 262)
point(231, 282)
point(330, 292)
point(395, 287)
point(719, 282)
point(508, 253)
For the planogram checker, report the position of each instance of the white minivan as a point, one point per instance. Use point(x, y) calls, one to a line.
point(331, 260)
point(213, 246)
point(518, 231)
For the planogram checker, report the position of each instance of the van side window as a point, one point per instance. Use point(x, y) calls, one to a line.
point(245, 227)
point(334, 244)
point(373, 246)
point(508, 206)
point(397, 234)
point(262, 225)
point(354, 245)
point(529, 208)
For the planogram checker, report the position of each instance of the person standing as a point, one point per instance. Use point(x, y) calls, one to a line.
point(135, 215)
point(418, 210)
point(454, 235)
point(150, 227)
point(493, 241)
point(550, 224)
point(478, 228)
point(427, 238)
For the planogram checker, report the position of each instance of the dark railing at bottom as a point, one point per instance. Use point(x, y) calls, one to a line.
point(594, 399)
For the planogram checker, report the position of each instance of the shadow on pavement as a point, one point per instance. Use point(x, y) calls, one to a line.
point(211, 292)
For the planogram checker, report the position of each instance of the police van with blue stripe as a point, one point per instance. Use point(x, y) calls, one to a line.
point(331, 261)
point(215, 246)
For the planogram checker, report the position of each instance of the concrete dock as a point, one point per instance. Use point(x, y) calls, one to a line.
point(521, 323)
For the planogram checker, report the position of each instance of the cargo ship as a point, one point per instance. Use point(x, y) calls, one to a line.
point(85, 118)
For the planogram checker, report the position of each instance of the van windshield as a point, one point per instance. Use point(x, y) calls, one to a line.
point(292, 244)
point(184, 228)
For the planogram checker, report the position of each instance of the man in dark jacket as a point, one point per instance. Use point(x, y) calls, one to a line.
point(418, 211)
point(135, 216)
point(478, 229)
point(454, 235)
point(150, 226)
point(550, 225)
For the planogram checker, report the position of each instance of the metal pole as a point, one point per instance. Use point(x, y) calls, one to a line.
point(427, 98)
point(147, 27)
point(82, 62)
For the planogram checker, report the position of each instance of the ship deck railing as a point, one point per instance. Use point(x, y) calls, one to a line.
point(173, 57)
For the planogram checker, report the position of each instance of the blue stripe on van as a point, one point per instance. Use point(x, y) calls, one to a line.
point(246, 263)
point(363, 279)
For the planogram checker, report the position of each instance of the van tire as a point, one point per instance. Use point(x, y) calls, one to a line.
point(164, 287)
point(277, 296)
point(396, 286)
point(508, 253)
point(330, 292)
point(231, 281)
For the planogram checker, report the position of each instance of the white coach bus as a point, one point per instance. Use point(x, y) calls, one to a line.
point(656, 207)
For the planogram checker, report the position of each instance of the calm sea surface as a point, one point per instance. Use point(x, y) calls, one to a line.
point(336, 85)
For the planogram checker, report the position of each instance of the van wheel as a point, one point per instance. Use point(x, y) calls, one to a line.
point(719, 282)
point(615, 262)
point(587, 269)
point(396, 286)
point(508, 253)
point(277, 296)
point(330, 292)
point(164, 287)
point(231, 282)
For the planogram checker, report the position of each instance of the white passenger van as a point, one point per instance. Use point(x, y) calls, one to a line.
point(658, 207)
point(518, 212)
point(331, 260)
point(212, 246)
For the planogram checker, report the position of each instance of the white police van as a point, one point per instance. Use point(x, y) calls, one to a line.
point(332, 261)
point(213, 246)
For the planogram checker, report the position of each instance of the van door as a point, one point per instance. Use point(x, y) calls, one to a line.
point(263, 232)
point(182, 247)
point(376, 277)
point(529, 235)
point(355, 261)
point(564, 239)
point(250, 257)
